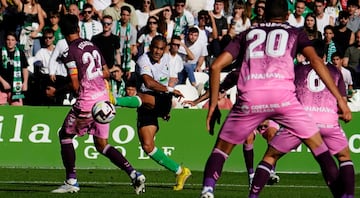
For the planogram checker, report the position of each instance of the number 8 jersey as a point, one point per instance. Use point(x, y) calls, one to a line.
point(266, 53)
point(84, 60)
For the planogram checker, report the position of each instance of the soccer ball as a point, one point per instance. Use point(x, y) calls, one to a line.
point(103, 111)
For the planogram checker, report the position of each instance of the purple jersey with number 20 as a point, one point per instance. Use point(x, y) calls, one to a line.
point(265, 85)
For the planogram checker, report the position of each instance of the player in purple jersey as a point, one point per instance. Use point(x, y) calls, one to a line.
point(322, 107)
point(266, 90)
point(87, 70)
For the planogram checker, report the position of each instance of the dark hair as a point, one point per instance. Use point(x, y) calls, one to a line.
point(158, 38)
point(11, 33)
point(176, 37)
point(87, 5)
point(69, 24)
point(276, 9)
point(125, 8)
point(54, 13)
point(48, 31)
point(329, 27)
point(193, 30)
point(180, 1)
point(336, 54)
point(319, 47)
point(353, 3)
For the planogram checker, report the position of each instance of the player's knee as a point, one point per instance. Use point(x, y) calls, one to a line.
point(148, 147)
point(343, 155)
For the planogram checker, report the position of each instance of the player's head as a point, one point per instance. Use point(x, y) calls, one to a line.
point(276, 9)
point(157, 48)
point(69, 24)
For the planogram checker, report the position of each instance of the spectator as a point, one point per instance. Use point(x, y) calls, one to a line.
point(330, 45)
point(239, 18)
point(206, 33)
point(343, 36)
point(221, 27)
point(42, 57)
point(12, 19)
point(354, 19)
point(333, 8)
point(34, 21)
point(74, 9)
point(351, 60)
point(166, 23)
point(117, 83)
point(130, 88)
point(108, 43)
point(144, 40)
point(13, 72)
point(147, 9)
point(310, 27)
point(176, 63)
point(127, 34)
point(114, 10)
point(296, 19)
point(54, 17)
point(89, 27)
point(250, 8)
point(199, 51)
point(322, 19)
point(337, 61)
point(183, 18)
point(259, 15)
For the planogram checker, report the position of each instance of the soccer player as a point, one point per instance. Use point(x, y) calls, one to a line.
point(266, 91)
point(322, 107)
point(266, 129)
point(153, 68)
point(87, 70)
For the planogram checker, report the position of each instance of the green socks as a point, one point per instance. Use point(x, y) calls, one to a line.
point(160, 157)
point(129, 101)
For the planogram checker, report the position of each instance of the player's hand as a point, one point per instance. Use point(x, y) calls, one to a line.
point(212, 118)
point(53, 78)
point(178, 94)
point(188, 102)
point(345, 112)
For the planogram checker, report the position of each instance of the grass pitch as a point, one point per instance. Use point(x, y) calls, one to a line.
point(18, 183)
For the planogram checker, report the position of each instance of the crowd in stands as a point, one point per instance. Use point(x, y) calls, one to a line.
point(32, 46)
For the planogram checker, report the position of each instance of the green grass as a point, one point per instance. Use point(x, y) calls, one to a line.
point(111, 183)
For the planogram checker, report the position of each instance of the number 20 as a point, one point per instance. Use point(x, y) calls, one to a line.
point(276, 43)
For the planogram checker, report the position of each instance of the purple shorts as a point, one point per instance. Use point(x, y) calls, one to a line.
point(79, 123)
point(281, 107)
point(333, 136)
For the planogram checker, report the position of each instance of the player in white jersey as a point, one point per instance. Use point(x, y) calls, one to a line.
point(87, 70)
point(266, 53)
point(153, 68)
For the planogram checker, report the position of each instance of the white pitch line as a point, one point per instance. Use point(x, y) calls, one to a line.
point(158, 184)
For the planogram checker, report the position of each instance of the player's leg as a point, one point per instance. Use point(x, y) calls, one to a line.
point(146, 136)
point(275, 150)
point(214, 166)
point(68, 157)
point(327, 164)
point(137, 178)
point(248, 152)
point(337, 143)
point(268, 135)
point(346, 172)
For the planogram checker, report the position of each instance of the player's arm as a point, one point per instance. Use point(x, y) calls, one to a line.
point(106, 72)
point(318, 64)
point(221, 62)
point(73, 73)
point(152, 84)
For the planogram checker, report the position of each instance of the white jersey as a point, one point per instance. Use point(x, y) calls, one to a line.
point(158, 71)
point(56, 67)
